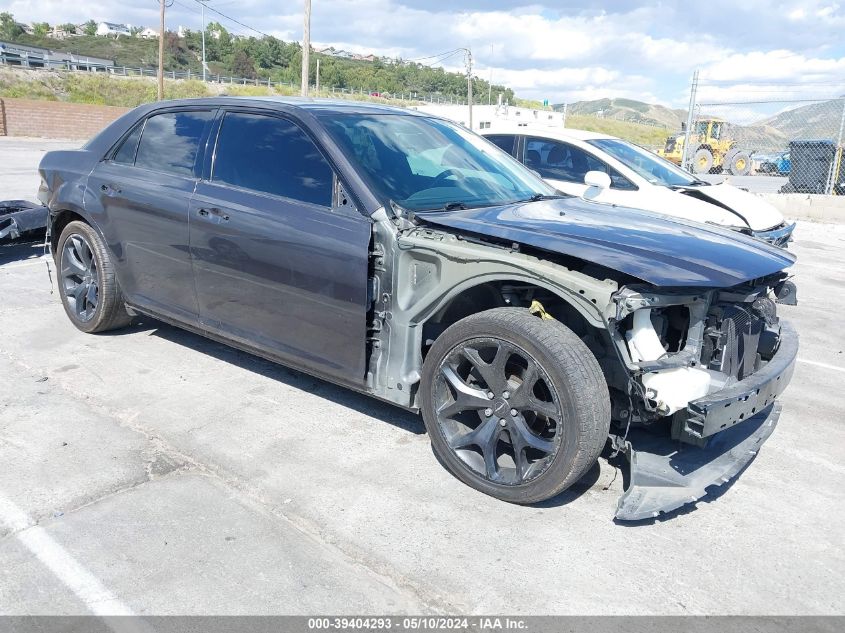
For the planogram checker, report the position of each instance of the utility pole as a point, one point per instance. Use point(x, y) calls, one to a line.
point(469, 85)
point(161, 54)
point(690, 120)
point(306, 48)
point(202, 4)
point(490, 83)
point(317, 86)
point(830, 189)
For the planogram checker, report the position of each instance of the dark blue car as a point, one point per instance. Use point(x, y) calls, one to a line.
point(405, 257)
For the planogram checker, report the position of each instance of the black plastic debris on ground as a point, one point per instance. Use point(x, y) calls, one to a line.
point(18, 217)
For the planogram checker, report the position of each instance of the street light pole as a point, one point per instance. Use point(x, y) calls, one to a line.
point(306, 48)
point(490, 83)
point(202, 4)
point(469, 85)
point(161, 54)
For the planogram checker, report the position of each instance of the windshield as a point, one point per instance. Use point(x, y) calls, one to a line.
point(658, 171)
point(424, 164)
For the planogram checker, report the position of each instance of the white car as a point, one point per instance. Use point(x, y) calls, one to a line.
point(613, 171)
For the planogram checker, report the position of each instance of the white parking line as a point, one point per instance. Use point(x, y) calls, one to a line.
point(65, 567)
point(823, 365)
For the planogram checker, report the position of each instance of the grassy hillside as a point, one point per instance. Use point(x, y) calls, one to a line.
point(645, 135)
point(131, 91)
point(124, 51)
point(630, 111)
point(814, 121)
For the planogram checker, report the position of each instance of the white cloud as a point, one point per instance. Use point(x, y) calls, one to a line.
point(640, 49)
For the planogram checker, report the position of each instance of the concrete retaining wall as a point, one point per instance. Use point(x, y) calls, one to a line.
point(803, 206)
point(54, 119)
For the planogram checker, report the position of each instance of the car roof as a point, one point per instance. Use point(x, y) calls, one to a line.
point(557, 133)
point(321, 106)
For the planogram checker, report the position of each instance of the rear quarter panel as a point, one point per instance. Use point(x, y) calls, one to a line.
point(64, 176)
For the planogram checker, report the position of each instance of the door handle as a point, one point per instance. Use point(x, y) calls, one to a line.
point(217, 213)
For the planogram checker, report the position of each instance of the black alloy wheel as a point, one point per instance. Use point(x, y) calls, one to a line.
point(79, 277)
point(498, 411)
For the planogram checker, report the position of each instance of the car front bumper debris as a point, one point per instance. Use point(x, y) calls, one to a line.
point(19, 216)
point(666, 474)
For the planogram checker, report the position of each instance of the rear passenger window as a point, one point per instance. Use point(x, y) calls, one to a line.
point(503, 141)
point(170, 141)
point(271, 155)
point(126, 154)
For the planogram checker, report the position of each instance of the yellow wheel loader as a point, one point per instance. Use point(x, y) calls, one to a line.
point(713, 150)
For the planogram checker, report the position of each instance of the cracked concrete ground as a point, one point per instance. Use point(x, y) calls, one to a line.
point(191, 478)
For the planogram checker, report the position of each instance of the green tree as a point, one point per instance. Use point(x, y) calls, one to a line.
point(9, 29)
point(40, 28)
point(243, 65)
point(89, 28)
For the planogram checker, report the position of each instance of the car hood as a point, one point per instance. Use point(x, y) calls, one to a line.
point(759, 214)
point(653, 248)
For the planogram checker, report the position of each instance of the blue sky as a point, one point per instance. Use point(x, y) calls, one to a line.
point(563, 50)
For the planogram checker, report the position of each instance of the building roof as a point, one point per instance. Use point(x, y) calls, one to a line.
point(560, 133)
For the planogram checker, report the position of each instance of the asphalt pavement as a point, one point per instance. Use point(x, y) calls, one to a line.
point(153, 471)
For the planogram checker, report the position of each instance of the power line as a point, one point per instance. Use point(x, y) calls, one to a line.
point(437, 62)
point(453, 51)
point(767, 101)
point(223, 15)
point(766, 82)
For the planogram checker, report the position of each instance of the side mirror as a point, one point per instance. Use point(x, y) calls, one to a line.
point(597, 179)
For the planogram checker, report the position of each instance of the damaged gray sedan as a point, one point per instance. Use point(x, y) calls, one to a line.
point(403, 256)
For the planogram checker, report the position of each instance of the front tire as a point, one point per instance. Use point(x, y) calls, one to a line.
point(89, 289)
point(702, 161)
point(515, 406)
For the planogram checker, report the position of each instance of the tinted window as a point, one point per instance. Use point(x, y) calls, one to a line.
point(273, 156)
point(169, 142)
point(562, 161)
point(126, 154)
point(503, 141)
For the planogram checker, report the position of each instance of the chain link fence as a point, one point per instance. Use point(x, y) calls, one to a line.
point(789, 135)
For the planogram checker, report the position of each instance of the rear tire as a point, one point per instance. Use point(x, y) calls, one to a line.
point(548, 417)
point(740, 163)
point(702, 161)
point(89, 289)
